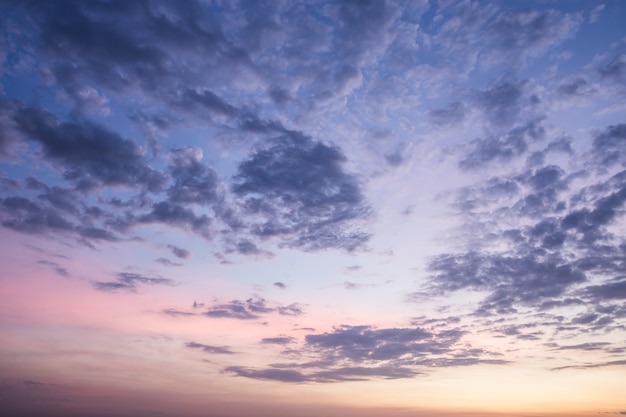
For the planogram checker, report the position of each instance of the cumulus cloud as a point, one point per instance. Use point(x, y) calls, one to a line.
point(301, 193)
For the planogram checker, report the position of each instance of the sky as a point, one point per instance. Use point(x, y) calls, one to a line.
point(312, 208)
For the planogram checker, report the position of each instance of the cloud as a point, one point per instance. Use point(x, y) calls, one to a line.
point(193, 181)
point(300, 192)
point(282, 340)
point(594, 15)
point(614, 70)
point(218, 350)
point(538, 239)
point(362, 343)
point(453, 114)
point(167, 262)
point(613, 289)
point(179, 252)
point(361, 353)
point(250, 309)
point(127, 281)
point(577, 86)
point(88, 154)
point(293, 309)
point(280, 285)
point(56, 267)
point(177, 215)
point(486, 36)
point(592, 365)
point(177, 313)
point(282, 375)
point(502, 148)
point(609, 146)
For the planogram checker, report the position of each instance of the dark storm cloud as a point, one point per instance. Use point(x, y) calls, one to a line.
point(127, 281)
point(299, 188)
point(88, 154)
point(219, 350)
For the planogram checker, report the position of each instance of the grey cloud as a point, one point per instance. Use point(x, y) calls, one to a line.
point(88, 154)
point(283, 340)
point(127, 281)
point(251, 309)
point(522, 279)
point(305, 182)
point(609, 146)
point(176, 215)
point(359, 353)
point(167, 262)
point(530, 32)
point(208, 100)
point(56, 212)
point(177, 313)
point(293, 309)
point(450, 115)
point(179, 252)
point(282, 375)
point(488, 36)
point(574, 87)
point(586, 346)
point(353, 373)
point(56, 267)
point(280, 285)
point(613, 289)
point(615, 70)
point(503, 148)
point(24, 215)
point(501, 103)
point(361, 343)
point(193, 181)
point(592, 365)
point(218, 350)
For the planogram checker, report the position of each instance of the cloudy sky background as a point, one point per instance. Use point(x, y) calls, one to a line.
point(312, 208)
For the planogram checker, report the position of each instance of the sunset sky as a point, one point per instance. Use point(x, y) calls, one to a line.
point(312, 208)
